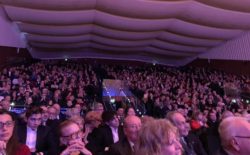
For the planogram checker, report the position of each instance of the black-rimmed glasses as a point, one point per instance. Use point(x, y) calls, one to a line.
point(74, 135)
point(242, 136)
point(7, 124)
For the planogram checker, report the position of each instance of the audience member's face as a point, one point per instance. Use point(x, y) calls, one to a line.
point(7, 129)
point(120, 112)
point(180, 123)
point(34, 121)
point(70, 133)
point(99, 109)
point(45, 114)
point(78, 106)
point(6, 105)
point(174, 146)
point(243, 138)
point(131, 112)
point(132, 127)
point(212, 116)
point(7, 98)
point(52, 113)
point(114, 122)
point(58, 108)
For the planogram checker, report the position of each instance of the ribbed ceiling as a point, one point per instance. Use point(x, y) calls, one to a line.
point(171, 32)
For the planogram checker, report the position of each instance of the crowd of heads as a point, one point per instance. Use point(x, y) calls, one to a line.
point(169, 104)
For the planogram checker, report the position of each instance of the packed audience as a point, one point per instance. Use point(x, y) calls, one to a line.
point(174, 111)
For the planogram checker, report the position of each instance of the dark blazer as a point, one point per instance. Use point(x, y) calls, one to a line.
point(102, 138)
point(221, 151)
point(193, 144)
point(211, 140)
point(45, 141)
point(122, 147)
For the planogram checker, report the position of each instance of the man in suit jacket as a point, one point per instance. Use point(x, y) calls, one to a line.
point(125, 146)
point(190, 143)
point(106, 134)
point(38, 138)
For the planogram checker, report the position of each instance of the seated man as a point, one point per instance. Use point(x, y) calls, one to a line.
point(71, 139)
point(106, 134)
point(190, 143)
point(125, 146)
point(38, 138)
point(235, 136)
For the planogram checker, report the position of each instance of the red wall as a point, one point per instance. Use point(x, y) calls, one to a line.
point(230, 66)
point(9, 55)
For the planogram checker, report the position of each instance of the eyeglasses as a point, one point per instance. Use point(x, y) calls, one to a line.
point(8, 124)
point(133, 126)
point(74, 135)
point(243, 137)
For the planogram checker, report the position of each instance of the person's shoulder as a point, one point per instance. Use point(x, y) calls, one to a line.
point(21, 127)
point(103, 127)
point(191, 135)
point(44, 129)
point(221, 151)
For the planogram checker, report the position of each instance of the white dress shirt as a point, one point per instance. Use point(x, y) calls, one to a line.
point(115, 134)
point(31, 138)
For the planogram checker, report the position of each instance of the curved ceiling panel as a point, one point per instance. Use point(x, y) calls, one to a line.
point(56, 39)
point(157, 50)
point(188, 40)
point(77, 30)
point(55, 30)
point(163, 31)
point(56, 45)
point(50, 17)
point(236, 5)
point(176, 47)
point(53, 4)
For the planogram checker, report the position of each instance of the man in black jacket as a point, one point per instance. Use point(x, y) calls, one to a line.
point(106, 134)
point(125, 146)
point(38, 138)
point(190, 143)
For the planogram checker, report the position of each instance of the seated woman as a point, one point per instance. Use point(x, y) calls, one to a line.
point(9, 144)
point(92, 120)
point(71, 139)
point(158, 137)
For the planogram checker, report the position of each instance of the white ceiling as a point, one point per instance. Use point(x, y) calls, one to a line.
point(172, 32)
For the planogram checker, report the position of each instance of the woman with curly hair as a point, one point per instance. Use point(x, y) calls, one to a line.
point(158, 137)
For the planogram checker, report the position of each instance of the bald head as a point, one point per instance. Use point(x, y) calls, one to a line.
point(227, 114)
point(132, 125)
point(131, 119)
point(235, 135)
point(179, 121)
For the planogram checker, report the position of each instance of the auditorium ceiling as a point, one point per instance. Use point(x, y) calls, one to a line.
point(172, 32)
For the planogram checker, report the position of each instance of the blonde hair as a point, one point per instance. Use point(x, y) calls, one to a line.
point(153, 135)
point(77, 120)
point(146, 119)
point(93, 116)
